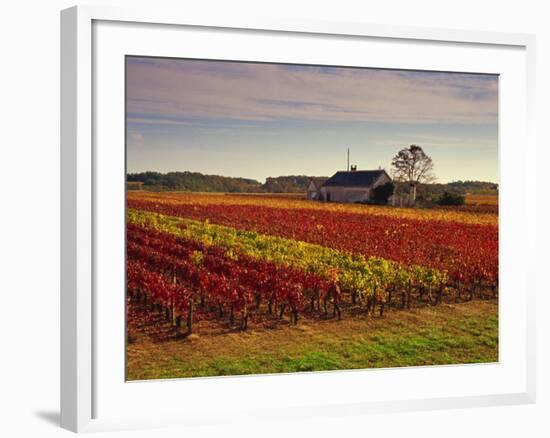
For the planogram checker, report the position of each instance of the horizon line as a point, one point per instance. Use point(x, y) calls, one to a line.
point(308, 176)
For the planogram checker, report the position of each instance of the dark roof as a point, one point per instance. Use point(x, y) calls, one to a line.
point(357, 178)
point(318, 181)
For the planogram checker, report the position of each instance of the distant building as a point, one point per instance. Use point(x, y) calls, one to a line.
point(351, 186)
point(314, 187)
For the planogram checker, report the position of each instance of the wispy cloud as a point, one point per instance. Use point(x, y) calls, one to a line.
point(256, 120)
point(176, 91)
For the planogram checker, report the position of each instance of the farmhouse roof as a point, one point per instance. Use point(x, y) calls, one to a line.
point(318, 182)
point(355, 178)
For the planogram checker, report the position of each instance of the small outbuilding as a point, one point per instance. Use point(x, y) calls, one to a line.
point(314, 188)
point(351, 186)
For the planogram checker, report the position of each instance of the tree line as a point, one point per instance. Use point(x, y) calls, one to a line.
point(198, 182)
point(412, 172)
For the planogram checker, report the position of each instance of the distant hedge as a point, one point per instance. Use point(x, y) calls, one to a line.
point(381, 194)
point(451, 199)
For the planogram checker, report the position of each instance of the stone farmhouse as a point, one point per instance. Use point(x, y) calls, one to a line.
point(347, 186)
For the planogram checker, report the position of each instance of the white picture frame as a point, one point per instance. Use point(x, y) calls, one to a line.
point(81, 193)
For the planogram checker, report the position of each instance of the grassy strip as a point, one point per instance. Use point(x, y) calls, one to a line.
point(448, 334)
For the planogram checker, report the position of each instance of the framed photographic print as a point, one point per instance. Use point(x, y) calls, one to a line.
point(301, 217)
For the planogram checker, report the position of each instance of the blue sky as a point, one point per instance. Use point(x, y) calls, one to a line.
point(259, 120)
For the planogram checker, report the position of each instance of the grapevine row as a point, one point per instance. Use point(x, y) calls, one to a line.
point(177, 274)
point(186, 274)
point(286, 203)
point(367, 277)
point(468, 253)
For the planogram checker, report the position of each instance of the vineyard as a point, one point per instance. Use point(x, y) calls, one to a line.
point(257, 259)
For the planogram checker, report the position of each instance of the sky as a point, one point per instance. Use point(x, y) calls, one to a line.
point(256, 120)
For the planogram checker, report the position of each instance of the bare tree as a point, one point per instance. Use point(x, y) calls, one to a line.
point(412, 166)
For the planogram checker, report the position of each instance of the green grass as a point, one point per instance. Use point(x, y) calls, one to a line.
point(450, 334)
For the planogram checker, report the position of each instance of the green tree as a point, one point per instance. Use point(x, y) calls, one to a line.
point(380, 194)
point(451, 199)
point(412, 166)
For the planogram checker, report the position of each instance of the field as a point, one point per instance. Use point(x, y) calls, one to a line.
point(230, 284)
point(482, 199)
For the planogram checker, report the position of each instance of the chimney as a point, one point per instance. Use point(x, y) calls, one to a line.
point(353, 167)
